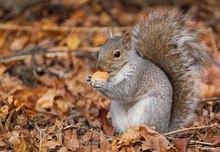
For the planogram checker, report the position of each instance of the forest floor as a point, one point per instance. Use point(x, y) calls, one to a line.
point(47, 51)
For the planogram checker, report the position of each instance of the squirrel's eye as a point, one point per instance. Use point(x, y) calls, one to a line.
point(117, 54)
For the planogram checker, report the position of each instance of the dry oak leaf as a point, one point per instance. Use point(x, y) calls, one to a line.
point(18, 143)
point(2, 69)
point(154, 141)
point(2, 39)
point(70, 140)
point(181, 143)
point(19, 43)
point(98, 40)
point(209, 90)
point(72, 41)
point(104, 144)
point(102, 117)
point(48, 24)
point(48, 142)
point(4, 111)
point(26, 99)
point(47, 100)
point(157, 142)
point(130, 135)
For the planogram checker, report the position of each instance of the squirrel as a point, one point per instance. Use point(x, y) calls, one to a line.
point(154, 72)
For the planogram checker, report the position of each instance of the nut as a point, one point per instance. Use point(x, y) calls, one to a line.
point(99, 75)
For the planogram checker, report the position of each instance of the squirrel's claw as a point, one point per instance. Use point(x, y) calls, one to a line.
point(88, 79)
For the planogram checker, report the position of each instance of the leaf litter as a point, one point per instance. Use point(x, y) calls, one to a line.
point(45, 104)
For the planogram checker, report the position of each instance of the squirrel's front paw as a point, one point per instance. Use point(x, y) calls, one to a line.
point(99, 84)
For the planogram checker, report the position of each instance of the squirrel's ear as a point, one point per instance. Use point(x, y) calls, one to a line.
point(110, 33)
point(126, 39)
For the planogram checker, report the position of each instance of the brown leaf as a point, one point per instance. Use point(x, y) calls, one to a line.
point(61, 104)
point(102, 117)
point(209, 90)
point(104, 144)
point(48, 142)
point(63, 149)
point(4, 111)
point(73, 41)
point(19, 144)
point(26, 98)
point(19, 43)
point(99, 39)
point(9, 85)
point(46, 101)
point(2, 39)
point(89, 138)
point(71, 140)
point(2, 69)
point(153, 140)
point(157, 141)
point(130, 135)
point(74, 2)
point(181, 143)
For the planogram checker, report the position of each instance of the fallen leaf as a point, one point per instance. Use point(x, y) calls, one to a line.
point(61, 104)
point(26, 98)
point(102, 117)
point(71, 140)
point(72, 41)
point(209, 90)
point(46, 101)
point(157, 142)
point(4, 110)
point(47, 24)
point(19, 43)
point(181, 143)
point(2, 39)
point(130, 135)
point(104, 144)
point(153, 140)
point(63, 149)
point(19, 144)
point(74, 2)
point(99, 39)
point(9, 85)
point(2, 69)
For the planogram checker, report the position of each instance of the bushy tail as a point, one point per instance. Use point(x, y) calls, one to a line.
point(169, 40)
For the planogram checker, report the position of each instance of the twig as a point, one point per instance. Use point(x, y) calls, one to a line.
point(210, 148)
point(8, 121)
point(201, 143)
point(41, 131)
point(190, 129)
point(212, 39)
point(210, 100)
point(49, 53)
point(59, 28)
point(9, 144)
point(98, 133)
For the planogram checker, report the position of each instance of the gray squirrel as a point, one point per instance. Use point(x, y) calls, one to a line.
point(154, 72)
